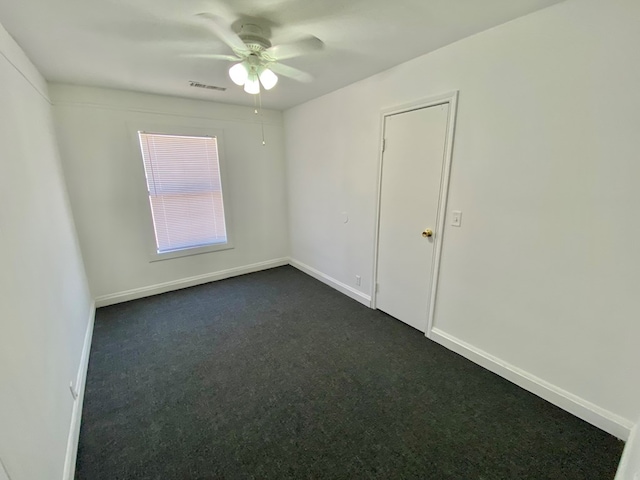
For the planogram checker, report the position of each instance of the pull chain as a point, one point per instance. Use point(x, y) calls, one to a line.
point(255, 110)
point(261, 118)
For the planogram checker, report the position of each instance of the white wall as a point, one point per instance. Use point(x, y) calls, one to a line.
point(543, 273)
point(105, 177)
point(44, 298)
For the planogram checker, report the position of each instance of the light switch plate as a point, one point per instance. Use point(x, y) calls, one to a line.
point(456, 218)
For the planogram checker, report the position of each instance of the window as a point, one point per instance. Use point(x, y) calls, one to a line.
point(185, 191)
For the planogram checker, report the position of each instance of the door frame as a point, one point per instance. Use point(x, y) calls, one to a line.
point(450, 98)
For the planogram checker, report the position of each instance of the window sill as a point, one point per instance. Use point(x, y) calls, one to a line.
point(187, 252)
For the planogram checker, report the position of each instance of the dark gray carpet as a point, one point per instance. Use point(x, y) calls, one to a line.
point(274, 375)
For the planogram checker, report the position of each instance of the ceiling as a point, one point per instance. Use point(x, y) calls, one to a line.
point(140, 44)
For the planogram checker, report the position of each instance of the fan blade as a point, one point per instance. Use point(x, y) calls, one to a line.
point(291, 72)
point(296, 49)
point(212, 56)
point(219, 26)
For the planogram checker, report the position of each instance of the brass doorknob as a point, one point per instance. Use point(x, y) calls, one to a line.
point(427, 233)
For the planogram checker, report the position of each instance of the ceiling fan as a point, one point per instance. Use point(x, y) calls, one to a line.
point(256, 60)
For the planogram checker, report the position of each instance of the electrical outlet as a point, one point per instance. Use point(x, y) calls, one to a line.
point(73, 391)
point(358, 280)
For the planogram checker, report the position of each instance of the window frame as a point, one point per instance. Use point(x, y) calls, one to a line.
point(148, 228)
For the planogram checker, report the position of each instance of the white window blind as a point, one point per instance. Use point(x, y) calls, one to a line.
point(185, 190)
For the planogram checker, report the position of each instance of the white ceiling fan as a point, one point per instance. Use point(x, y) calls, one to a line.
point(257, 61)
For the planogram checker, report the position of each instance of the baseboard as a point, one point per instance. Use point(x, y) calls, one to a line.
point(601, 418)
point(332, 282)
point(104, 300)
point(629, 468)
point(76, 415)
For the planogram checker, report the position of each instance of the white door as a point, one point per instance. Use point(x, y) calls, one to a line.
point(412, 166)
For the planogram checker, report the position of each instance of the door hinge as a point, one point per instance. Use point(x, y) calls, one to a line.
point(377, 287)
point(384, 144)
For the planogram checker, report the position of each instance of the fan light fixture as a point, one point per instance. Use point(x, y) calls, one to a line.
point(252, 85)
point(239, 73)
point(246, 73)
point(268, 79)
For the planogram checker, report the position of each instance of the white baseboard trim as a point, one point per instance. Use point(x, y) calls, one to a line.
point(332, 282)
point(105, 300)
point(601, 418)
point(76, 415)
point(629, 467)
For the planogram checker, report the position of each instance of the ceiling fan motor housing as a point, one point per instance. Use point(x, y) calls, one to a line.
point(253, 36)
